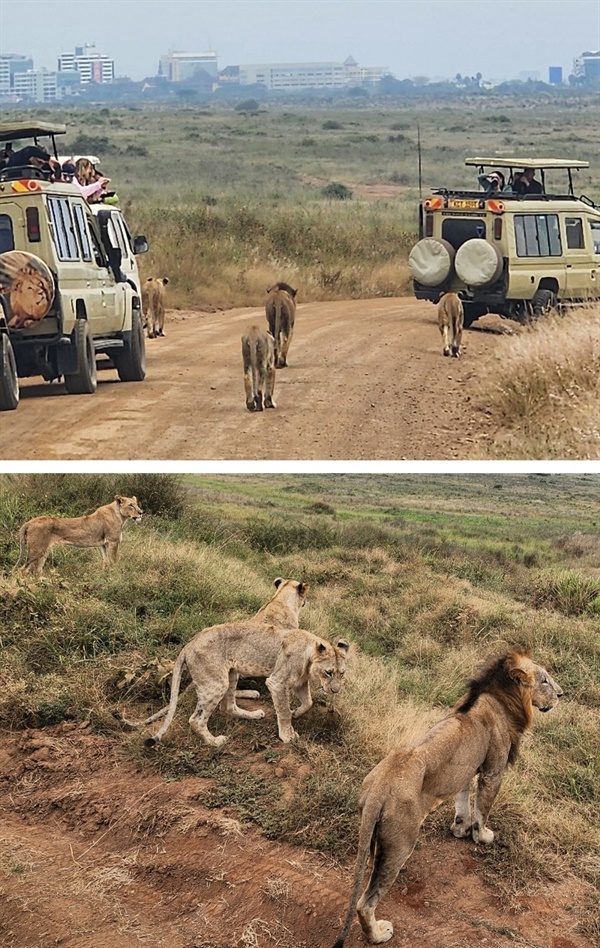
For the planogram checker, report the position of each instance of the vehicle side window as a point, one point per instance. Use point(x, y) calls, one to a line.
point(115, 236)
point(574, 228)
point(7, 240)
point(82, 231)
point(99, 255)
point(125, 243)
point(62, 229)
point(595, 226)
point(537, 235)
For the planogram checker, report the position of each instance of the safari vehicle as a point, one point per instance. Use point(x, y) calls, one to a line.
point(69, 284)
point(517, 255)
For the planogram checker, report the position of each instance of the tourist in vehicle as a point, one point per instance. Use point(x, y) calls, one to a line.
point(90, 183)
point(526, 183)
point(492, 182)
point(33, 156)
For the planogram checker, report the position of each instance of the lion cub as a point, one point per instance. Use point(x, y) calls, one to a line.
point(153, 305)
point(450, 321)
point(280, 308)
point(258, 353)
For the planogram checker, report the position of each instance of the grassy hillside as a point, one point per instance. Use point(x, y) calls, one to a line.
point(427, 575)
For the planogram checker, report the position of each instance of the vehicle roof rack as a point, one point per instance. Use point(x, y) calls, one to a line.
point(502, 162)
point(19, 130)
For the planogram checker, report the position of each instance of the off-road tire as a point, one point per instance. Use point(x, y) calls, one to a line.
point(84, 381)
point(472, 311)
point(9, 381)
point(130, 361)
point(543, 302)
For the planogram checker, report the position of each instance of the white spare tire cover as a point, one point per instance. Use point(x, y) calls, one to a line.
point(430, 261)
point(478, 263)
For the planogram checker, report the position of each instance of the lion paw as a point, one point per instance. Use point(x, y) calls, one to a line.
point(288, 736)
point(219, 741)
point(460, 829)
point(481, 834)
point(447, 351)
point(383, 932)
point(255, 715)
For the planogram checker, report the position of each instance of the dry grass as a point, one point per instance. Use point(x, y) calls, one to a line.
point(543, 389)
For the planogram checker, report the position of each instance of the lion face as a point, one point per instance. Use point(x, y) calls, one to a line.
point(545, 691)
point(329, 665)
point(128, 507)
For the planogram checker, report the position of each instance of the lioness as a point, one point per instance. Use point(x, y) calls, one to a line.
point(281, 314)
point(258, 353)
point(450, 320)
point(478, 739)
point(102, 528)
point(153, 305)
point(217, 656)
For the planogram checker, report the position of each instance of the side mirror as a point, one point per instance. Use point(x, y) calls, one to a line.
point(140, 244)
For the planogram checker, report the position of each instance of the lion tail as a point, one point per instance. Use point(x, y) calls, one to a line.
point(22, 547)
point(172, 707)
point(368, 828)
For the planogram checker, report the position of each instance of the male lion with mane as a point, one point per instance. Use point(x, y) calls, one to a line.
point(103, 528)
point(480, 738)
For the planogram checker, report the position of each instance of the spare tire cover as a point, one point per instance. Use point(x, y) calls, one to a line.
point(478, 263)
point(27, 285)
point(430, 261)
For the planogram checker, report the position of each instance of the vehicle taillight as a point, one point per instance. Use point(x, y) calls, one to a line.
point(33, 225)
point(497, 228)
point(429, 225)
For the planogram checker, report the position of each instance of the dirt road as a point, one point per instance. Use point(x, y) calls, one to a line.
point(366, 380)
point(96, 853)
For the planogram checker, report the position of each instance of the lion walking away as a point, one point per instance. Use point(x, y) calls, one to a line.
point(153, 305)
point(475, 743)
point(450, 320)
point(281, 314)
point(103, 528)
point(258, 354)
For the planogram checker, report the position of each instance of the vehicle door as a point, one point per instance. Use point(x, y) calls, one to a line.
point(113, 313)
point(592, 227)
point(129, 264)
point(78, 278)
point(581, 263)
point(536, 251)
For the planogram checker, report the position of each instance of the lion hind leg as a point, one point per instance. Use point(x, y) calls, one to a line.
point(35, 562)
point(457, 332)
point(391, 853)
point(485, 794)
point(461, 826)
point(211, 692)
point(229, 701)
point(270, 381)
point(445, 331)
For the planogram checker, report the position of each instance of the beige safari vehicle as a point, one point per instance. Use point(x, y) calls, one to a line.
point(518, 255)
point(69, 284)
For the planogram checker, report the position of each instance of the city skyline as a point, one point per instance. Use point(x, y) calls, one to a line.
point(377, 33)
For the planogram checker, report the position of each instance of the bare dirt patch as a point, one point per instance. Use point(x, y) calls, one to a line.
point(366, 380)
point(96, 853)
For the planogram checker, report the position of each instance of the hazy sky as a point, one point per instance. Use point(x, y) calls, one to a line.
point(499, 38)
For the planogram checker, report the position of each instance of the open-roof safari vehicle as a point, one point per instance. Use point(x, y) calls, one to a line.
point(69, 284)
point(502, 252)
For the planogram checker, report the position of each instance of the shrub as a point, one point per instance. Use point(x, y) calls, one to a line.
point(337, 192)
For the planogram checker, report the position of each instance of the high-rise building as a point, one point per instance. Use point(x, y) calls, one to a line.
point(36, 84)
point(91, 65)
point(176, 66)
point(10, 65)
point(555, 75)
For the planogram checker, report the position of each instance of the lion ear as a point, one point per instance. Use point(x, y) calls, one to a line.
point(320, 648)
point(303, 588)
point(277, 583)
point(119, 499)
point(165, 281)
point(517, 673)
point(342, 645)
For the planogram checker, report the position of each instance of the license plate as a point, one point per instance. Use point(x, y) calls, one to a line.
point(464, 205)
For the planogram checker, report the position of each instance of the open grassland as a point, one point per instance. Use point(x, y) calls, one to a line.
point(426, 576)
point(232, 201)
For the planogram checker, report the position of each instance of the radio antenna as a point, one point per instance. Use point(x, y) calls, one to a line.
point(420, 168)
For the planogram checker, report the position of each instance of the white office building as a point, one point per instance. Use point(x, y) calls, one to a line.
point(329, 75)
point(179, 66)
point(91, 65)
point(36, 84)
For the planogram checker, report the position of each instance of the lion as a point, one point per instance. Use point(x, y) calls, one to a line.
point(281, 314)
point(258, 353)
point(450, 320)
point(217, 656)
point(103, 528)
point(480, 738)
point(153, 305)
point(29, 285)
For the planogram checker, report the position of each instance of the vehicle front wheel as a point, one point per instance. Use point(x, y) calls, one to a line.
point(84, 381)
point(130, 361)
point(9, 381)
point(543, 302)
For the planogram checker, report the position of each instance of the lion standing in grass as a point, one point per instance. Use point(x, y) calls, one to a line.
point(281, 314)
point(479, 739)
point(103, 528)
point(258, 354)
point(450, 320)
point(153, 305)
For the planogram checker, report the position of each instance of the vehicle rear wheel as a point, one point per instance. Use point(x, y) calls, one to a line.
point(84, 381)
point(472, 311)
point(9, 381)
point(130, 361)
point(543, 302)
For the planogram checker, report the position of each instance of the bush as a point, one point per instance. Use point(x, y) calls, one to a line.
point(337, 192)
